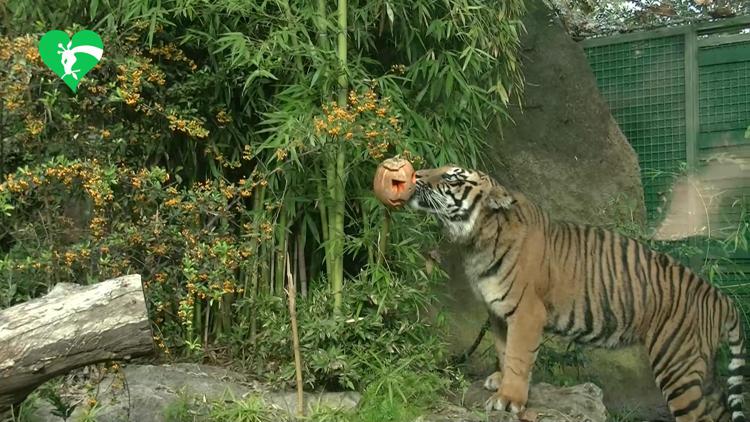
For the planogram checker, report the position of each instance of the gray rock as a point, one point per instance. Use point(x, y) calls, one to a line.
point(150, 390)
point(579, 403)
point(63, 289)
point(564, 149)
point(287, 402)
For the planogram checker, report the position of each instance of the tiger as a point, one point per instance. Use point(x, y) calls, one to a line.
point(590, 285)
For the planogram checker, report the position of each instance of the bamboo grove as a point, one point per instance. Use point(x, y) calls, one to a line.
point(219, 142)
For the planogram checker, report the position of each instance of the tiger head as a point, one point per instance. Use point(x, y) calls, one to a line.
point(458, 197)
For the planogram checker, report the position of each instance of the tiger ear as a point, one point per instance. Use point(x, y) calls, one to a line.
point(499, 198)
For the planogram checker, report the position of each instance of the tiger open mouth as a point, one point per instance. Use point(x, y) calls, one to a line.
point(426, 200)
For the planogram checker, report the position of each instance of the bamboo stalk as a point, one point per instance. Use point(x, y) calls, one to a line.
point(324, 226)
point(330, 245)
point(339, 177)
point(330, 169)
point(216, 321)
point(246, 293)
point(268, 250)
point(370, 251)
point(254, 268)
point(253, 303)
point(225, 306)
point(280, 251)
point(245, 276)
point(339, 230)
point(264, 284)
point(197, 318)
point(292, 292)
point(226, 311)
point(206, 326)
point(2, 123)
point(301, 240)
point(294, 247)
point(320, 22)
point(342, 47)
point(321, 17)
point(385, 231)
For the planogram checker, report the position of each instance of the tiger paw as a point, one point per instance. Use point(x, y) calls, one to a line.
point(493, 381)
point(500, 401)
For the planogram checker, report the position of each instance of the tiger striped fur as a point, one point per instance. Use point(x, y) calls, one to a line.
point(588, 284)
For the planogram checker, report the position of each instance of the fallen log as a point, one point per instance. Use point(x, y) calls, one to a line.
point(70, 327)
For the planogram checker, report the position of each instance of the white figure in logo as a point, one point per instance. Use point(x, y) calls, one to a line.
point(68, 56)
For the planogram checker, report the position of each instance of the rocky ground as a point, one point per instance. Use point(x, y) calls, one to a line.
point(146, 393)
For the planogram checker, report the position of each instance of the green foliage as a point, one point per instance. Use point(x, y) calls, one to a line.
point(180, 410)
point(559, 363)
point(381, 322)
point(249, 409)
point(61, 408)
point(448, 67)
point(90, 414)
point(228, 408)
point(627, 416)
point(25, 411)
point(198, 154)
point(394, 394)
point(397, 394)
point(325, 414)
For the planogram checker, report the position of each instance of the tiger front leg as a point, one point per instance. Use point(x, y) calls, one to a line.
point(524, 336)
point(499, 330)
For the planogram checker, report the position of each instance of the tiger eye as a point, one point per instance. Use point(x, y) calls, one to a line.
point(394, 182)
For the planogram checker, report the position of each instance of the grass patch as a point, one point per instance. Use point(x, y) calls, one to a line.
point(250, 409)
point(328, 414)
point(181, 410)
point(393, 394)
point(622, 416)
point(25, 411)
point(398, 393)
point(228, 408)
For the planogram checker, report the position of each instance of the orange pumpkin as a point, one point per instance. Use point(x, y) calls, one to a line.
point(393, 183)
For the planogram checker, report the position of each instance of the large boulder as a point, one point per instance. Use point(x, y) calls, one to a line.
point(566, 152)
point(564, 149)
point(547, 403)
point(150, 393)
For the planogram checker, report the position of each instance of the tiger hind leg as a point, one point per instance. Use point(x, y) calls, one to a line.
point(685, 396)
point(716, 399)
point(680, 373)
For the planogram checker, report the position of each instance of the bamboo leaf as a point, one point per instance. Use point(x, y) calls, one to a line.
point(389, 11)
point(448, 84)
point(93, 7)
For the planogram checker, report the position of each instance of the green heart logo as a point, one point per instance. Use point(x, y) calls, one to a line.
point(71, 59)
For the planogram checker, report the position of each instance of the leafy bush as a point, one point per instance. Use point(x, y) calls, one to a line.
point(205, 153)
